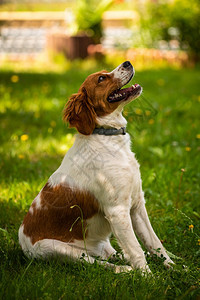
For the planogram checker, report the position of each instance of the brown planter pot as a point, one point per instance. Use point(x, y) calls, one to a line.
point(72, 46)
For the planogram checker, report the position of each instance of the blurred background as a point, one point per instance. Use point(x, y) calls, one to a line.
point(47, 49)
point(147, 29)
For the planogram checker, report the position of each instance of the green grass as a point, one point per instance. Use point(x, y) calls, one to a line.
point(165, 135)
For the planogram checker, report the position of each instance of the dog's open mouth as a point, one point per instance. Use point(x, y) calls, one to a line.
point(123, 94)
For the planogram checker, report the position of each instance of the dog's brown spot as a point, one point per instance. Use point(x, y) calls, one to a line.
point(91, 102)
point(60, 214)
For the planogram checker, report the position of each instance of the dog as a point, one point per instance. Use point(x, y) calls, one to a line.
point(97, 190)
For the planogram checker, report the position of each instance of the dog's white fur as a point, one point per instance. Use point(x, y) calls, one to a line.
point(106, 167)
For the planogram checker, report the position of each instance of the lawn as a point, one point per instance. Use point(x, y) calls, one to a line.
point(164, 127)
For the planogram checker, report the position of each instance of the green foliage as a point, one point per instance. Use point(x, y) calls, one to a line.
point(163, 125)
point(168, 20)
point(88, 15)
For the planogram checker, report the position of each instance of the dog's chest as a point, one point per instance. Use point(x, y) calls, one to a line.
point(105, 167)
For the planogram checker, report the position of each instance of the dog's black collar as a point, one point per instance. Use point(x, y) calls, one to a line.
point(109, 131)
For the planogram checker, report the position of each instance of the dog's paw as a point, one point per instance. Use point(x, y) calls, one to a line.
point(146, 270)
point(122, 269)
point(125, 269)
point(169, 264)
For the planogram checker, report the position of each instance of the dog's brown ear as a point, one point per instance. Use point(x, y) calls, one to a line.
point(80, 113)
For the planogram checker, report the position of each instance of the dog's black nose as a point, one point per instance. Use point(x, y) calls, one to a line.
point(126, 64)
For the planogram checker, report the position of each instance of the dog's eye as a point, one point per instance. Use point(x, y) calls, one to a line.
point(101, 78)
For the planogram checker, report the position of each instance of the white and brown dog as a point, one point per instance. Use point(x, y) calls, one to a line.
point(97, 189)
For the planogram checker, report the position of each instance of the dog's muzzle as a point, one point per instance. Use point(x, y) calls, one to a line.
point(124, 73)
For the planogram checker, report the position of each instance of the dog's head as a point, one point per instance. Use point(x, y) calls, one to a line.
point(99, 95)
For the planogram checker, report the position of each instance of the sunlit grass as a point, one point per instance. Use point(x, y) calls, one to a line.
point(164, 129)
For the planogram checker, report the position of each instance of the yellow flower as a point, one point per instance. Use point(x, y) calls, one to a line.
point(199, 242)
point(151, 121)
point(191, 227)
point(21, 156)
point(138, 111)
point(147, 112)
point(53, 124)
point(125, 113)
point(24, 137)
point(14, 78)
point(188, 149)
point(198, 136)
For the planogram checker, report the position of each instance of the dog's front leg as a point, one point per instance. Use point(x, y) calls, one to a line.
point(120, 221)
point(145, 232)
